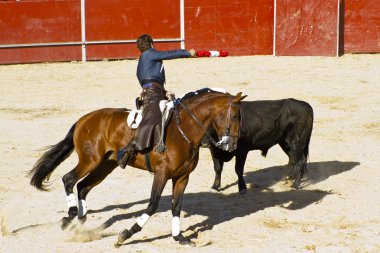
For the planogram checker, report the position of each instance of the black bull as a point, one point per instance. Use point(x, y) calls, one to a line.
point(287, 122)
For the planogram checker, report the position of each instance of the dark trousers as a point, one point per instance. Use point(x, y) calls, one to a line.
point(150, 126)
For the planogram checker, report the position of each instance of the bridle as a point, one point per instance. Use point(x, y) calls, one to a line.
point(225, 137)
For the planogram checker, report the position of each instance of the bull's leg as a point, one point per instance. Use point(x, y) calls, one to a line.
point(296, 170)
point(159, 182)
point(296, 165)
point(218, 168)
point(241, 157)
point(179, 186)
point(89, 182)
point(293, 147)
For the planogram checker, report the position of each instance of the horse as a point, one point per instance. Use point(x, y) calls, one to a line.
point(265, 123)
point(97, 136)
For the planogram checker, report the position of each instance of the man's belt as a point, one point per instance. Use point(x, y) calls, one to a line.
point(147, 85)
point(150, 84)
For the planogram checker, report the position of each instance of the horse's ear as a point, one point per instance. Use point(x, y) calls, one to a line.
point(239, 97)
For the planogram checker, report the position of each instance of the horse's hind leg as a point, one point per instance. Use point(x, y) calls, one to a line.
point(69, 180)
point(89, 182)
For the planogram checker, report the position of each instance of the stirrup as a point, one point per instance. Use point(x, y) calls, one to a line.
point(124, 160)
point(125, 154)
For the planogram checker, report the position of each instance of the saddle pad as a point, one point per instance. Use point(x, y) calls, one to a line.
point(169, 105)
point(134, 118)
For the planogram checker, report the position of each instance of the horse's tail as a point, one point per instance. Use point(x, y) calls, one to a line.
point(50, 160)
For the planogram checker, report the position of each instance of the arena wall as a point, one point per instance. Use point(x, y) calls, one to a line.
point(307, 27)
point(239, 27)
point(361, 27)
point(41, 23)
point(64, 30)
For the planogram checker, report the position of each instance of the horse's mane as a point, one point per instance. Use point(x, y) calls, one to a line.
point(202, 91)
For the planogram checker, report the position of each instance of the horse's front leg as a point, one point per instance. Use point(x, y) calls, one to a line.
point(159, 182)
point(179, 186)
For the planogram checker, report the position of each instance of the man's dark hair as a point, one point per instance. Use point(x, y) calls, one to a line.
point(144, 42)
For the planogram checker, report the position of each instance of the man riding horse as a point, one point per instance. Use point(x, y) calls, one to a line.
point(151, 75)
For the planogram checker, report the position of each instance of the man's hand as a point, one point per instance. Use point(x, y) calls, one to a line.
point(170, 95)
point(192, 52)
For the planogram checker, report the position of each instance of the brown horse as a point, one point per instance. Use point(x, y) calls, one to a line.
point(98, 135)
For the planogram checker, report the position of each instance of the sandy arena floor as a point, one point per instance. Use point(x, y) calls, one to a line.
point(337, 209)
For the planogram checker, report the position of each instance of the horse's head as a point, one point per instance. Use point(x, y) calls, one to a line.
point(227, 122)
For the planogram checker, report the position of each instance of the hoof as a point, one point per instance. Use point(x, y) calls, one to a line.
point(215, 189)
point(82, 219)
point(124, 235)
point(243, 192)
point(295, 186)
point(289, 178)
point(117, 244)
point(65, 222)
point(183, 241)
point(242, 189)
point(187, 243)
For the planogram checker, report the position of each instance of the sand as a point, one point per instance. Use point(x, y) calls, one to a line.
point(336, 210)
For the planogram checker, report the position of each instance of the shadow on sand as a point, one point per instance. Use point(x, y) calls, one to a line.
point(259, 197)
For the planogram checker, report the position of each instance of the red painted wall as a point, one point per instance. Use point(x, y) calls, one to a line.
point(126, 20)
point(23, 22)
point(240, 27)
point(361, 26)
point(307, 27)
point(51, 21)
point(40, 54)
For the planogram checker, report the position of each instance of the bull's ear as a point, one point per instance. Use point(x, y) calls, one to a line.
point(239, 97)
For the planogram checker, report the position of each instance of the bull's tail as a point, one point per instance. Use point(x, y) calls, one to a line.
point(309, 130)
point(50, 160)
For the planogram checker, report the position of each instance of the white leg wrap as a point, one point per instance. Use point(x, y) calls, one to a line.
point(82, 208)
point(71, 200)
point(176, 226)
point(142, 219)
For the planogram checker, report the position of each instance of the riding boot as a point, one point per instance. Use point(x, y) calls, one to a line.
point(126, 154)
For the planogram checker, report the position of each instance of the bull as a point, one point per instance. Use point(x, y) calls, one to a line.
point(265, 123)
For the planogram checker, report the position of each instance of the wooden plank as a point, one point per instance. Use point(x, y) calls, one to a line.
point(362, 26)
point(239, 27)
point(307, 27)
point(33, 22)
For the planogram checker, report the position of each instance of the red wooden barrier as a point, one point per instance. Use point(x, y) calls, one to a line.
point(239, 27)
point(307, 27)
point(244, 27)
point(362, 26)
point(24, 22)
point(115, 20)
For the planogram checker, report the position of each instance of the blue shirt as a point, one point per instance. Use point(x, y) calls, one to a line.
point(150, 67)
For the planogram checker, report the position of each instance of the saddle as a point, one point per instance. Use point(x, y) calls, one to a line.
point(135, 115)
